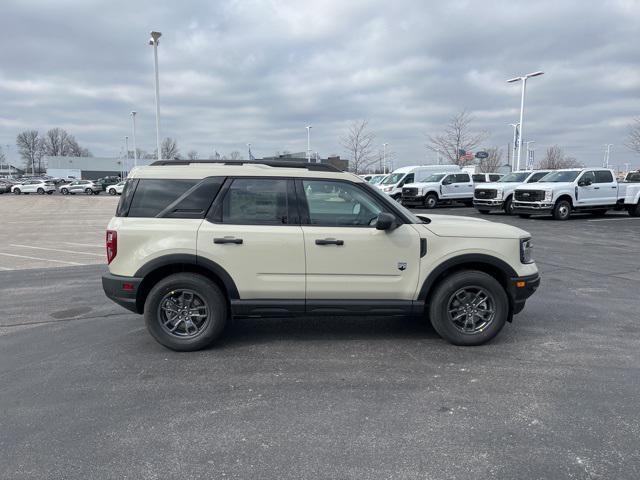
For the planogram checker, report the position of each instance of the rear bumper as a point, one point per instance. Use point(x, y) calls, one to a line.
point(532, 207)
point(521, 288)
point(488, 204)
point(122, 290)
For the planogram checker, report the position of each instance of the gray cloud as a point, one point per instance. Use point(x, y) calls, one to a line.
point(234, 72)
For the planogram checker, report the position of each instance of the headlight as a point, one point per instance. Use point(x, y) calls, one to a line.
point(548, 195)
point(388, 189)
point(526, 250)
point(499, 194)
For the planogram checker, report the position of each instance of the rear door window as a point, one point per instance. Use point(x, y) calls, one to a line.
point(479, 178)
point(462, 178)
point(603, 176)
point(256, 201)
point(494, 178)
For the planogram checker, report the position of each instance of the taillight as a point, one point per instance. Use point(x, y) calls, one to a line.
point(112, 245)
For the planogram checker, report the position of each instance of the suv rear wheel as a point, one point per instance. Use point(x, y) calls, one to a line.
point(185, 312)
point(469, 308)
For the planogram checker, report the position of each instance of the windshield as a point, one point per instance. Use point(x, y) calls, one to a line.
point(436, 177)
point(632, 177)
point(376, 179)
point(566, 176)
point(515, 177)
point(393, 179)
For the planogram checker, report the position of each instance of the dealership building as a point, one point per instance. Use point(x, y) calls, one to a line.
point(89, 168)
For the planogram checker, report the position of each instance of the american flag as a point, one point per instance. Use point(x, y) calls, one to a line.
point(467, 156)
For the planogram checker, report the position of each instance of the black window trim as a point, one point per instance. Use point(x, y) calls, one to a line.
point(384, 202)
point(214, 215)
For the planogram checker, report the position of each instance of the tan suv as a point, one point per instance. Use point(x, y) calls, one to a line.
point(194, 244)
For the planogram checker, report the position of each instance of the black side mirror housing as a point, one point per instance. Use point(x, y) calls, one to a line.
point(385, 221)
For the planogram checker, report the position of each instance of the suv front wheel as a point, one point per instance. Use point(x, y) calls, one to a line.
point(185, 312)
point(469, 308)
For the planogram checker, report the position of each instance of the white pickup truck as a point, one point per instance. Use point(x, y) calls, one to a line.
point(632, 193)
point(498, 195)
point(565, 191)
point(437, 188)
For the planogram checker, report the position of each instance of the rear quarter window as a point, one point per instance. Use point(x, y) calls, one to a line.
point(478, 178)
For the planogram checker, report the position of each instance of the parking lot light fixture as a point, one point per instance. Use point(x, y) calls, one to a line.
point(384, 157)
point(309, 143)
point(522, 79)
point(154, 40)
point(607, 153)
point(135, 149)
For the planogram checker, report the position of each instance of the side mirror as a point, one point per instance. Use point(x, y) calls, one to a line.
point(385, 221)
point(447, 181)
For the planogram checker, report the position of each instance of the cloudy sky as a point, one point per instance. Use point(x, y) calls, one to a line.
point(233, 72)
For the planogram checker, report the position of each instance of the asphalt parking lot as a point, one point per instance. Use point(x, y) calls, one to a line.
point(87, 393)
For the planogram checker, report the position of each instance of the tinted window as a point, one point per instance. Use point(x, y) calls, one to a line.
point(153, 196)
point(588, 176)
point(537, 176)
point(195, 202)
point(632, 177)
point(462, 178)
point(479, 178)
point(449, 179)
point(604, 176)
point(494, 177)
point(256, 201)
point(562, 176)
point(408, 179)
point(339, 204)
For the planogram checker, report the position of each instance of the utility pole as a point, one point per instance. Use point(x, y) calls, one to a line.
point(135, 149)
point(154, 40)
point(522, 79)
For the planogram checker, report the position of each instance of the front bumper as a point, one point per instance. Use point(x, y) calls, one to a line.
point(406, 200)
point(532, 207)
point(521, 288)
point(122, 290)
point(488, 204)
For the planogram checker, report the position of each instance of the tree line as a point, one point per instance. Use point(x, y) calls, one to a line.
point(56, 142)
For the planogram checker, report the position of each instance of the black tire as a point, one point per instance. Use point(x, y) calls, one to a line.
point(112, 191)
point(508, 206)
point(524, 215)
point(468, 203)
point(431, 201)
point(484, 212)
point(634, 210)
point(50, 192)
point(562, 210)
point(207, 291)
point(88, 191)
point(40, 191)
point(16, 191)
point(64, 191)
point(96, 193)
point(443, 299)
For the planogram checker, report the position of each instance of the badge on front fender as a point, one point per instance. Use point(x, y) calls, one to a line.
point(402, 266)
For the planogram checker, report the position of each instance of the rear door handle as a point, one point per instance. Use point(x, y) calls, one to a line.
point(329, 241)
point(456, 186)
point(596, 188)
point(224, 240)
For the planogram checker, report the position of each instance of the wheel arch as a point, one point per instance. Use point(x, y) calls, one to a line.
point(497, 268)
point(159, 268)
point(564, 196)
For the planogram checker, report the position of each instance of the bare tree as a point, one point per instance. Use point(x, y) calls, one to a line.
point(633, 139)
point(215, 155)
point(169, 149)
point(493, 162)
point(192, 155)
point(359, 144)
point(555, 158)
point(30, 146)
point(457, 136)
point(57, 142)
point(235, 155)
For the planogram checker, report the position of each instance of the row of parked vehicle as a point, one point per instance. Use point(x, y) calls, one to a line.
point(556, 192)
point(48, 185)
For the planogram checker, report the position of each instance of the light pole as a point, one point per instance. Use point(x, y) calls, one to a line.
point(249, 147)
point(607, 152)
point(384, 157)
point(524, 87)
point(515, 144)
point(529, 167)
point(135, 149)
point(154, 40)
point(126, 156)
point(309, 143)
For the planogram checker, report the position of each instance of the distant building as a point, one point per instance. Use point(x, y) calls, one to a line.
point(89, 168)
point(334, 160)
point(8, 170)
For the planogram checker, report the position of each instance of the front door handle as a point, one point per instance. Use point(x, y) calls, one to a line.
point(596, 188)
point(224, 240)
point(329, 241)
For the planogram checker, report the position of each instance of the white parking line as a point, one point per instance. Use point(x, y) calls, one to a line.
point(36, 258)
point(57, 250)
point(84, 244)
point(614, 219)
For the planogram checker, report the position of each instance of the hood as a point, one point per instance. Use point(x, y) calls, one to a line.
point(496, 185)
point(546, 185)
point(423, 185)
point(455, 226)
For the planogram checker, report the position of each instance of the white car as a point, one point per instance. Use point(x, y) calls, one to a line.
point(34, 186)
point(438, 188)
point(393, 183)
point(88, 187)
point(195, 243)
point(489, 197)
point(116, 189)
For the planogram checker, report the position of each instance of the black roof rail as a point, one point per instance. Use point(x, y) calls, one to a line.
point(314, 167)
